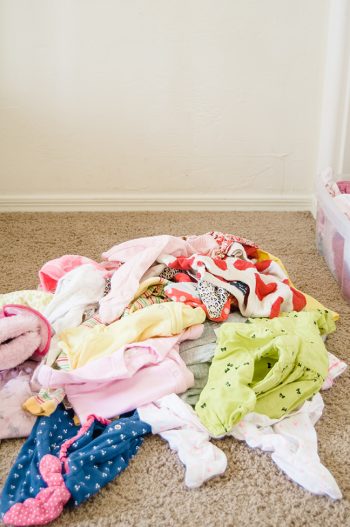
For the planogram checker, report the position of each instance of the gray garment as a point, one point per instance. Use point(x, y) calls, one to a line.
point(191, 351)
point(198, 354)
point(202, 349)
point(200, 373)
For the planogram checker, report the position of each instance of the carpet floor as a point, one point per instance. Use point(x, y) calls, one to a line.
point(253, 492)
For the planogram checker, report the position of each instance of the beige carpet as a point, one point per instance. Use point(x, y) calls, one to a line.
point(151, 492)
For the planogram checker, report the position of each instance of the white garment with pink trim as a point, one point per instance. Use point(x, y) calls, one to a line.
point(177, 423)
point(335, 368)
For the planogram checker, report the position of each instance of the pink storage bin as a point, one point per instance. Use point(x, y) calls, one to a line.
point(333, 236)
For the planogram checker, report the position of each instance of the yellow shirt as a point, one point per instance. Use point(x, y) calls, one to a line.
point(83, 344)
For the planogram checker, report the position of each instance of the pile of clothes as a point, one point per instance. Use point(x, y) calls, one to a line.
point(188, 337)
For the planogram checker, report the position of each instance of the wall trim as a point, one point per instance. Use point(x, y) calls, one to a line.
point(153, 202)
point(314, 206)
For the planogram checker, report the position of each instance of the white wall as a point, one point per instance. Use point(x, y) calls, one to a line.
point(144, 97)
point(346, 165)
point(334, 142)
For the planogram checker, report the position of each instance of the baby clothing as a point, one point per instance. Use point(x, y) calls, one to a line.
point(201, 349)
point(311, 303)
point(15, 388)
point(253, 384)
point(323, 319)
point(62, 463)
point(77, 289)
point(138, 256)
point(215, 301)
point(53, 270)
point(293, 443)
point(292, 439)
point(344, 186)
point(336, 367)
point(266, 366)
point(197, 355)
point(232, 245)
point(46, 400)
point(38, 300)
point(99, 341)
point(151, 291)
point(193, 351)
point(200, 374)
point(261, 289)
point(177, 423)
point(83, 344)
point(133, 375)
point(24, 333)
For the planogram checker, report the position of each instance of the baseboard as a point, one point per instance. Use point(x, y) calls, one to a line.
point(313, 206)
point(153, 202)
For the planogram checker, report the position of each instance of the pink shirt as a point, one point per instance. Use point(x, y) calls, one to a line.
point(134, 375)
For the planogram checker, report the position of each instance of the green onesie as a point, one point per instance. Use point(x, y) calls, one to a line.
point(266, 366)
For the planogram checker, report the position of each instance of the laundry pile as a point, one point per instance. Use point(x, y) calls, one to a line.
point(188, 337)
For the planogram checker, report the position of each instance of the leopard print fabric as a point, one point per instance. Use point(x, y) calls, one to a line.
point(214, 298)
